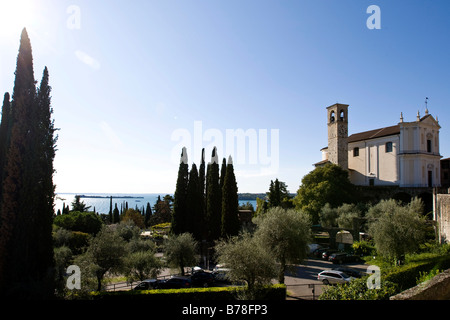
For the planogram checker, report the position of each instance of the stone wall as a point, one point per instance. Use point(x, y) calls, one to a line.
point(441, 212)
point(437, 288)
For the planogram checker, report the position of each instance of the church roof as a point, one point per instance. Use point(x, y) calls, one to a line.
point(372, 134)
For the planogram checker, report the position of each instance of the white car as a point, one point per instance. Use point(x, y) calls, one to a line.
point(333, 276)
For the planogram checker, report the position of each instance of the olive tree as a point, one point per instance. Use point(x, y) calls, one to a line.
point(180, 251)
point(396, 229)
point(286, 233)
point(247, 260)
point(104, 254)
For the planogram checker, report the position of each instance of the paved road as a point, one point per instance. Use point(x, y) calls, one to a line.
point(298, 279)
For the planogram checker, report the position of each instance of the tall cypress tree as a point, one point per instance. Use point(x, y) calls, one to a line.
point(179, 214)
point(213, 198)
point(202, 190)
point(194, 207)
point(230, 203)
point(5, 134)
point(44, 156)
point(26, 252)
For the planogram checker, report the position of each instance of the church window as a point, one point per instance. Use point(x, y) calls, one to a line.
point(428, 145)
point(342, 115)
point(332, 116)
point(388, 146)
point(356, 152)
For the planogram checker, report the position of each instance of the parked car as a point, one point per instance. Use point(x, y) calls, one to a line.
point(146, 285)
point(175, 282)
point(342, 257)
point(326, 254)
point(221, 275)
point(333, 277)
point(202, 279)
point(318, 252)
point(351, 272)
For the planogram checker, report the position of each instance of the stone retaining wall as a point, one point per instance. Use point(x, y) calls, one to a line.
point(437, 288)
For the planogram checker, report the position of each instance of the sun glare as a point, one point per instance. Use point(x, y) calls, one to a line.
point(16, 15)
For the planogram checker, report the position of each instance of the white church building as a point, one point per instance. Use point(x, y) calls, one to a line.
point(404, 155)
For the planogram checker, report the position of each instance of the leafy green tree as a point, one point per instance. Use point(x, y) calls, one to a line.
point(180, 215)
point(230, 203)
point(141, 265)
point(247, 260)
point(213, 198)
point(346, 213)
point(286, 233)
point(327, 184)
point(261, 207)
point(135, 216)
point(396, 229)
point(106, 253)
point(87, 222)
point(181, 251)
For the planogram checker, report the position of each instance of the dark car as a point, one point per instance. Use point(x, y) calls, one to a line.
point(318, 252)
point(146, 285)
point(342, 257)
point(327, 253)
point(175, 282)
point(351, 272)
point(202, 279)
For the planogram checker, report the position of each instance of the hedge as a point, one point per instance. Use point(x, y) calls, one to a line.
point(272, 292)
point(405, 276)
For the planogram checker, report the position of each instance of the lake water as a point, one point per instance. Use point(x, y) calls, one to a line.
point(101, 200)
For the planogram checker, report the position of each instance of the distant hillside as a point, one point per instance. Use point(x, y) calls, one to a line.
point(251, 196)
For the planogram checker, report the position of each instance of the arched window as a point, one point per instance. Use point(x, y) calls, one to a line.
point(342, 115)
point(332, 116)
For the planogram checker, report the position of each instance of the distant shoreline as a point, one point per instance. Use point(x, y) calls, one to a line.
point(107, 197)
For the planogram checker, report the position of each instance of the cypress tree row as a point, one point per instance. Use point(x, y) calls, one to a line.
point(230, 203)
point(27, 206)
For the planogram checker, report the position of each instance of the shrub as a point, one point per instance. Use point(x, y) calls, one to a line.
point(271, 292)
point(363, 248)
point(357, 290)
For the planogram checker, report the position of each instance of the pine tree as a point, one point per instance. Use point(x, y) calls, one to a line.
point(26, 251)
point(230, 203)
point(213, 198)
point(179, 216)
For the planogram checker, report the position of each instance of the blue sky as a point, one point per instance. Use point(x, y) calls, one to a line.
point(131, 80)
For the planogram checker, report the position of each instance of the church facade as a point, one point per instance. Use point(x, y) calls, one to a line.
point(405, 154)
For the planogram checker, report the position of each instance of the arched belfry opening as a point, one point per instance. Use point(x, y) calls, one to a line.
point(332, 117)
point(342, 115)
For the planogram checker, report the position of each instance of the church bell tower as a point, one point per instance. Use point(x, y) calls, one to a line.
point(338, 134)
